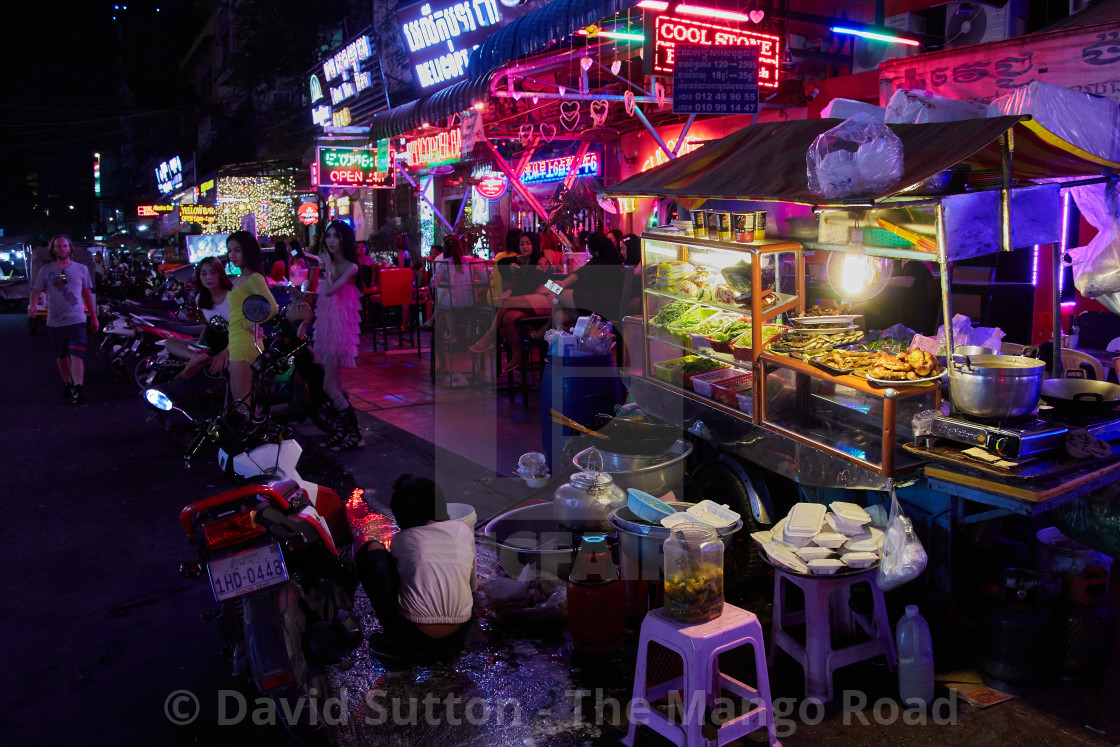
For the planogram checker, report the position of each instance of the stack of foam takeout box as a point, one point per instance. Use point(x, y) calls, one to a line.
point(814, 540)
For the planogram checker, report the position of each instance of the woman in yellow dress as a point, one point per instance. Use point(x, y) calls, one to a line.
point(244, 335)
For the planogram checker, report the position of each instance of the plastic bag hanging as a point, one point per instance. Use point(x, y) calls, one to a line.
point(902, 558)
point(856, 157)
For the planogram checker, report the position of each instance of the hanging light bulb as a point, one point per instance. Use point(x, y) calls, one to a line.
point(853, 275)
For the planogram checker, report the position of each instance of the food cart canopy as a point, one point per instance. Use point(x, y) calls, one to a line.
point(767, 161)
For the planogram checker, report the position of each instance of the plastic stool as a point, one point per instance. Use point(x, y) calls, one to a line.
point(699, 647)
point(817, 657)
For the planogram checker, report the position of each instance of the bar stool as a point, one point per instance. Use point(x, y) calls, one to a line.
point(816, 655)
point(699, 647)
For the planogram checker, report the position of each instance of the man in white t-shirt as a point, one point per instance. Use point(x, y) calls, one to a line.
point(421, 590)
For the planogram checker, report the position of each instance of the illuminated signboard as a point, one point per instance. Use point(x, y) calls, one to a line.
point(169, 175)
point(206, 186)
point(555, 169)
point(308, 213)
point(433, 150)
point(492, 186)
point(201, 214)
point(151, 211)
point(340, 80)
point(439, 37)
point(351, 167)
point(663, 33)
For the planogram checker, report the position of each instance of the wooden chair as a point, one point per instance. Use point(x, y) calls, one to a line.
point(395, 286)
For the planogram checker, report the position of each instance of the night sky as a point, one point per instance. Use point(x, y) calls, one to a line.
point(78, 77)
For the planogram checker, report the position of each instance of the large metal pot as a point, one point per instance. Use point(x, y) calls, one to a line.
point(655, 475)
point(995, 386)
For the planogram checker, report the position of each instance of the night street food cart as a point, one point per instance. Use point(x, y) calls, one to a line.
point(827, 429)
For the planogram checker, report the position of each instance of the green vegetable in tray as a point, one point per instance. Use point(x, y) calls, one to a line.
point(700, 365)
point(731, 331)
point(673, 311)
point(715, 323)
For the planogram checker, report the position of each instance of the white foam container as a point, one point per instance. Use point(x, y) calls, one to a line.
point(778, 530)
point(784, 557)
point(850, 513)
point(830, 540)
point(812, 552)
point(713, 514)
point(682, 517)
point(825, 566)
point(859, 559)
point(762, 538)
point(842, 527)
point(805, 520)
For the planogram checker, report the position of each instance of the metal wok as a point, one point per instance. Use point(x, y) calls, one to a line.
point(1080, 397)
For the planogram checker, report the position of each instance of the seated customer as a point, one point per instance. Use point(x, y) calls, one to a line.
point(597, 286)
point(421, 590)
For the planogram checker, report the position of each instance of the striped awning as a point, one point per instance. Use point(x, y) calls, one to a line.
point(769, 160)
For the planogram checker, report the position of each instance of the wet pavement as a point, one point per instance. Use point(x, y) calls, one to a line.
point(101, 632)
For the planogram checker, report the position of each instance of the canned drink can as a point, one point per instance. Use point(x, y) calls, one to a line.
point(742, 227)
point(723, 226)
point(712, 219)
point(759, 225)
point(699, 223)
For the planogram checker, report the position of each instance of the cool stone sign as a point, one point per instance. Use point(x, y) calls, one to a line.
point(440, 35)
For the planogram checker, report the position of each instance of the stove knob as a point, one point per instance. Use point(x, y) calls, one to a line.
point(1002, 445)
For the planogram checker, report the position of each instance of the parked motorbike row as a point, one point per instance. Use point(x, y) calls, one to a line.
point(276, 548)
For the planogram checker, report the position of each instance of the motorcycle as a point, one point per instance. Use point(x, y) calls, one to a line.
point(161, 367)
point(278, 553)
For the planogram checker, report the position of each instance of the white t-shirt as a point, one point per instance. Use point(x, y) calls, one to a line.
point(219, 309)
point(435, 563)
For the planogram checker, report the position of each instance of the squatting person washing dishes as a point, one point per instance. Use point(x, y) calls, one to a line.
point(421, 590)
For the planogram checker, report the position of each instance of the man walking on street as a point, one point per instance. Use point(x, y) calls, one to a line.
point(68, 288)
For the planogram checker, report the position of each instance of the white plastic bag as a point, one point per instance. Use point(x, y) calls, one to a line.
point(858, 156)
point(903, 557)
point(1096, 266)
point(915, 106)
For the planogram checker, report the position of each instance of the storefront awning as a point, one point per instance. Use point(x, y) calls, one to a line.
point(537, 30)
point(769, 160)
point(451, 100)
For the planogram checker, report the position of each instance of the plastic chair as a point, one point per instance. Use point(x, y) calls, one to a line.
point(699, 647)
point(817, 656)
point(396, 291)
point(1075, 360)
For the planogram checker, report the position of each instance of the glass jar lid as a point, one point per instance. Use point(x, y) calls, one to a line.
point(693, 533)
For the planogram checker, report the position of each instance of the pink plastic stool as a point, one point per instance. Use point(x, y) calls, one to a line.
point(699, 647)
point(822, 611)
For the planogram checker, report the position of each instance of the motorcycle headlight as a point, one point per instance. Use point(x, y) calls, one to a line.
point(158, 400)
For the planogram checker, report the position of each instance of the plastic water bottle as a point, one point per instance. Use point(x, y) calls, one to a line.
point(915, 658)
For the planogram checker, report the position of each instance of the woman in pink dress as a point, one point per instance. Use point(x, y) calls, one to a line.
point(337, 318)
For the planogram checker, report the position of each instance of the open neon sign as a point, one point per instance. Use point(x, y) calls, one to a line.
point(351, 167)
point(555, 169)
point(667, 32)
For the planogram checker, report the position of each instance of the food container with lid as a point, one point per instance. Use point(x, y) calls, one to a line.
point(785, 558)
point(839, 525)
point(683, 517)
point(584, 503)
point(713, 514)
point(742, 227)
point(778, 530)
point(872, 543)
point(812, 552)
point(693, 573)
point(825, 566)
point(702, 383)
point(860, 559)
point(850, 512)
point(831, 540)
point(762, 538)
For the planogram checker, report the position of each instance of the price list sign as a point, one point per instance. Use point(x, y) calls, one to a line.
point(715, 80)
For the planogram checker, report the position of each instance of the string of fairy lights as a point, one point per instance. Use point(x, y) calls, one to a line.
point(270, 198)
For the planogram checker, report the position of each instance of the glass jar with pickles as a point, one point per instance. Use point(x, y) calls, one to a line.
point(693, 573)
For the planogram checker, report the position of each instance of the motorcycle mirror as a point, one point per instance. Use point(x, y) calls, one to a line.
point(158, 400)
point(256, 308)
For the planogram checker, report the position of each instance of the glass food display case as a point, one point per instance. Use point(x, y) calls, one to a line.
point(711, 305)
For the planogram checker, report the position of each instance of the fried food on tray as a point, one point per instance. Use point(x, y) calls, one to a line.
point(849, 358)
point(910, 366)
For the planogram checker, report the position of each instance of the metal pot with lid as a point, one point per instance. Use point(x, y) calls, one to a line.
point(585, 502)
point(995, 386)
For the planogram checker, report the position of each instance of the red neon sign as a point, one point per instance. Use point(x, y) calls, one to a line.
point(668, 31)
point(308, 213)
point(433, 150)
point(492, 187)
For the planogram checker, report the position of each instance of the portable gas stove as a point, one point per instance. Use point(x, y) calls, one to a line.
point(1018, 438)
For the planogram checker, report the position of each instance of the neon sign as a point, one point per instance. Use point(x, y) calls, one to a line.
point(433, 150)
point(492, 186)
point(152, 211)
point(691, 143)
point(202, 214)
point(344, 75)
point(351, 167)
point(440, 40)
point(169, 175)
point(555, 169)
point(308, 213)
point(668, 31)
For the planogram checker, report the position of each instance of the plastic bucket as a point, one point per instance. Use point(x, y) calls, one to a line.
point(579, 387)
point(462, 512)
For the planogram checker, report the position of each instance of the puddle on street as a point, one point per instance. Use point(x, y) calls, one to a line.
point(506, 688)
